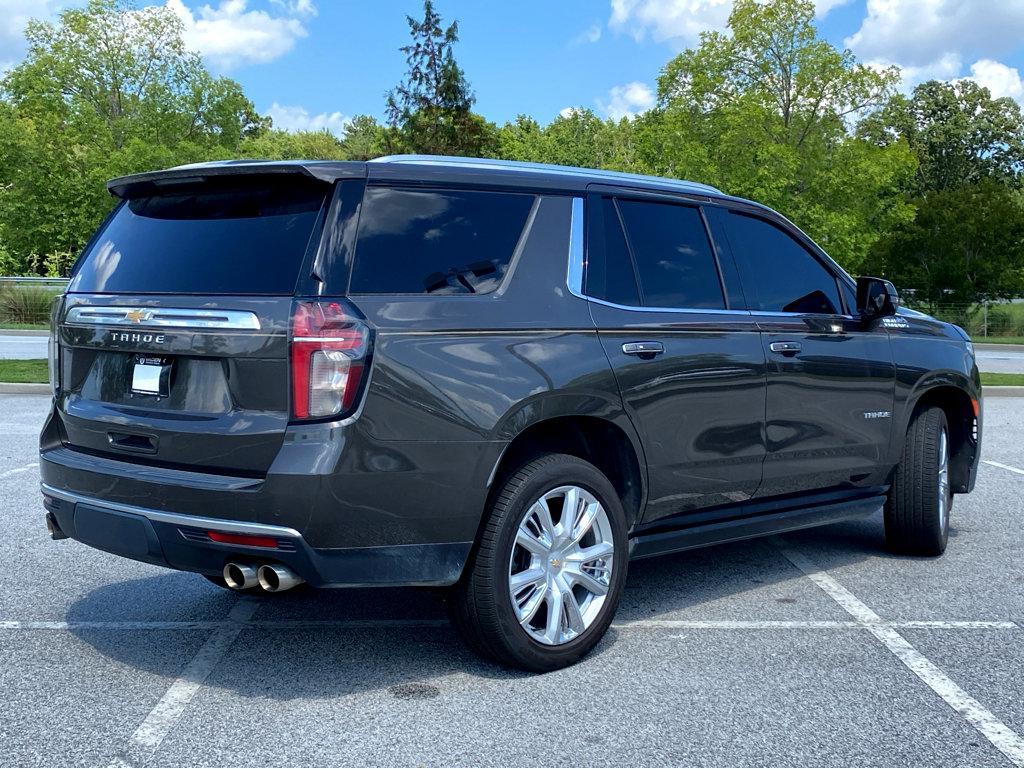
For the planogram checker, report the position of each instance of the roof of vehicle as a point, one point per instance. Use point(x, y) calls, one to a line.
point(427, 168)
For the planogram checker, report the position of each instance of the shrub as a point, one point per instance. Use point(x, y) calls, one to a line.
point(25, 304)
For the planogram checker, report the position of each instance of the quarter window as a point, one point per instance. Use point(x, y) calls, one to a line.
point(779, 274)
point(609, 269)
point(436, 241)
point(673, 255)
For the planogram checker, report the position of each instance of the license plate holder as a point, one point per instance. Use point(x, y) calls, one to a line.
point(151, 376)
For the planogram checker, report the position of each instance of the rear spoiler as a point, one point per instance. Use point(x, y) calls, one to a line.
point(149, 182)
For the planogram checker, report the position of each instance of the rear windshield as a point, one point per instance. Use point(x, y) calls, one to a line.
point(209, 239)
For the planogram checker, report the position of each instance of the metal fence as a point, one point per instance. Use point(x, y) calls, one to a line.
point(985, 319)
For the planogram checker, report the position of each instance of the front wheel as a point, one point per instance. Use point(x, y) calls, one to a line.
point(544, 583)
point(920, 500)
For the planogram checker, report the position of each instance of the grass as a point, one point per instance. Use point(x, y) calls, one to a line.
point(23, 371)
point(24, 326)
point(995, 380)
point(998, 339)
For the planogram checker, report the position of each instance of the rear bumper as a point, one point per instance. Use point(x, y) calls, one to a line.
point(182, 542)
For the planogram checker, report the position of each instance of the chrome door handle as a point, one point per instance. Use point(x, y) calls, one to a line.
point(643, 349)
point(785, 348)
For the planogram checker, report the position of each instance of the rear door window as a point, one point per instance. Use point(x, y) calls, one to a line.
point(673, 255)
point(778, 273)
point(436, 241)
point(214, 238)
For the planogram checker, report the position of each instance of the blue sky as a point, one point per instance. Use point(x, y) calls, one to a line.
point(315, 63)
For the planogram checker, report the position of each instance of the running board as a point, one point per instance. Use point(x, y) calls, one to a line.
point(647, 545)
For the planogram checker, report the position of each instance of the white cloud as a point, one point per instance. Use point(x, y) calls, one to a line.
point(230, 35)
point(676, 20)
point(14, 15)
point(627, 100)
point(590, 35)
point(568, 112)
point(998, 78)
point(293, 118)
point(918, 33)
point(946, 67)
point(681, 21)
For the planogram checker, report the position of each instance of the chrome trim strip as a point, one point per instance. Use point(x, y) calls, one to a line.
point(177, 519)
point(163, 317)
point(574, 281)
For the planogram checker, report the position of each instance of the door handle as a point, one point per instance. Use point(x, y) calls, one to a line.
point(785, 348)
point(644, 350)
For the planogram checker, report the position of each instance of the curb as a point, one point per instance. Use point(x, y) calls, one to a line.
point(35, 388)
point(36, 332)
point(1001, 391)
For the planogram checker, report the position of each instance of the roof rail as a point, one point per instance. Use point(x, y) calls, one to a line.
point(543, 168)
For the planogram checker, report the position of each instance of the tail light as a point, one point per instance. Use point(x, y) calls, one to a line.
point(329, 350)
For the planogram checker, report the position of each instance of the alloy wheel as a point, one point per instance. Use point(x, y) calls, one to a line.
point(561, 565)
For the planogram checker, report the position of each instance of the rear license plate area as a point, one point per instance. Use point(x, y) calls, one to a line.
point(151, 376)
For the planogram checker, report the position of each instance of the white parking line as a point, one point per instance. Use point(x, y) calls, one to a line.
point(18, 470)
point(1004, 739)
point(1004, 467)
point(154, 728)
point(341, 624)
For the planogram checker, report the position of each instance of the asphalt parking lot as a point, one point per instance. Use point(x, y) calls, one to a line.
point(815, 649)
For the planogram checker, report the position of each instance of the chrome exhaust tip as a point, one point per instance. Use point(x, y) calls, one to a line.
point(240, 576)
point(275, 578)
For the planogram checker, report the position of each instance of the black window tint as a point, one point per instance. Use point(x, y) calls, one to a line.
point(207, 239)
point(673, 255)
point(778, 271)
point(850, 297)
point(444, 242)
point(609, 268)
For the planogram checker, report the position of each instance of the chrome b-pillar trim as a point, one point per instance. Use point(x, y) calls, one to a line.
point(574, 281)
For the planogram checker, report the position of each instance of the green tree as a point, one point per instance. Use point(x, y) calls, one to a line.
point(959, 133)
point(431, 109)
point(365, 138)
point(298, 145)
point(576, 138)
point(763, 112)
point(966, 245)
point(106, 90)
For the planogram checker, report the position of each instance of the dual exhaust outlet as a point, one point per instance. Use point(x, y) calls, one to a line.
point(272, 577)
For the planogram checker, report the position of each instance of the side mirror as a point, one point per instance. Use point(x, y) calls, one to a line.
point(876, 298)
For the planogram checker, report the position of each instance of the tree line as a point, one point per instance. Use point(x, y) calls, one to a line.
point(924, 189)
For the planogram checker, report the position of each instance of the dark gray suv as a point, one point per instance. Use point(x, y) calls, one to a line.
point(507, 379)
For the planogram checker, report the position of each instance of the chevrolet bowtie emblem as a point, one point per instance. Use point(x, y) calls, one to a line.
point(136, 316)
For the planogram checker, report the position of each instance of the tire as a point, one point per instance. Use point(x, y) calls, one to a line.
point(481, 604)
point(920, 500)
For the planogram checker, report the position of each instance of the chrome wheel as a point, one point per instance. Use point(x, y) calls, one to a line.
point(560, 568)
point(943, 480)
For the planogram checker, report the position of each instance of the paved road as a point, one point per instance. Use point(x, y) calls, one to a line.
point(22, 347)
point(728, 656)
point(1004, 361)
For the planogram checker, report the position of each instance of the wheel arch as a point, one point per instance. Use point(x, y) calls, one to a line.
point(605, 439)
point(960, 400)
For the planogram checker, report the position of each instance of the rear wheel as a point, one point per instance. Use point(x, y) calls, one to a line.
point(544, 583)
point(918, 508)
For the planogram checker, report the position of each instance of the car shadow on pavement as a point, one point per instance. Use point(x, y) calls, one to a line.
point(308, 642)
